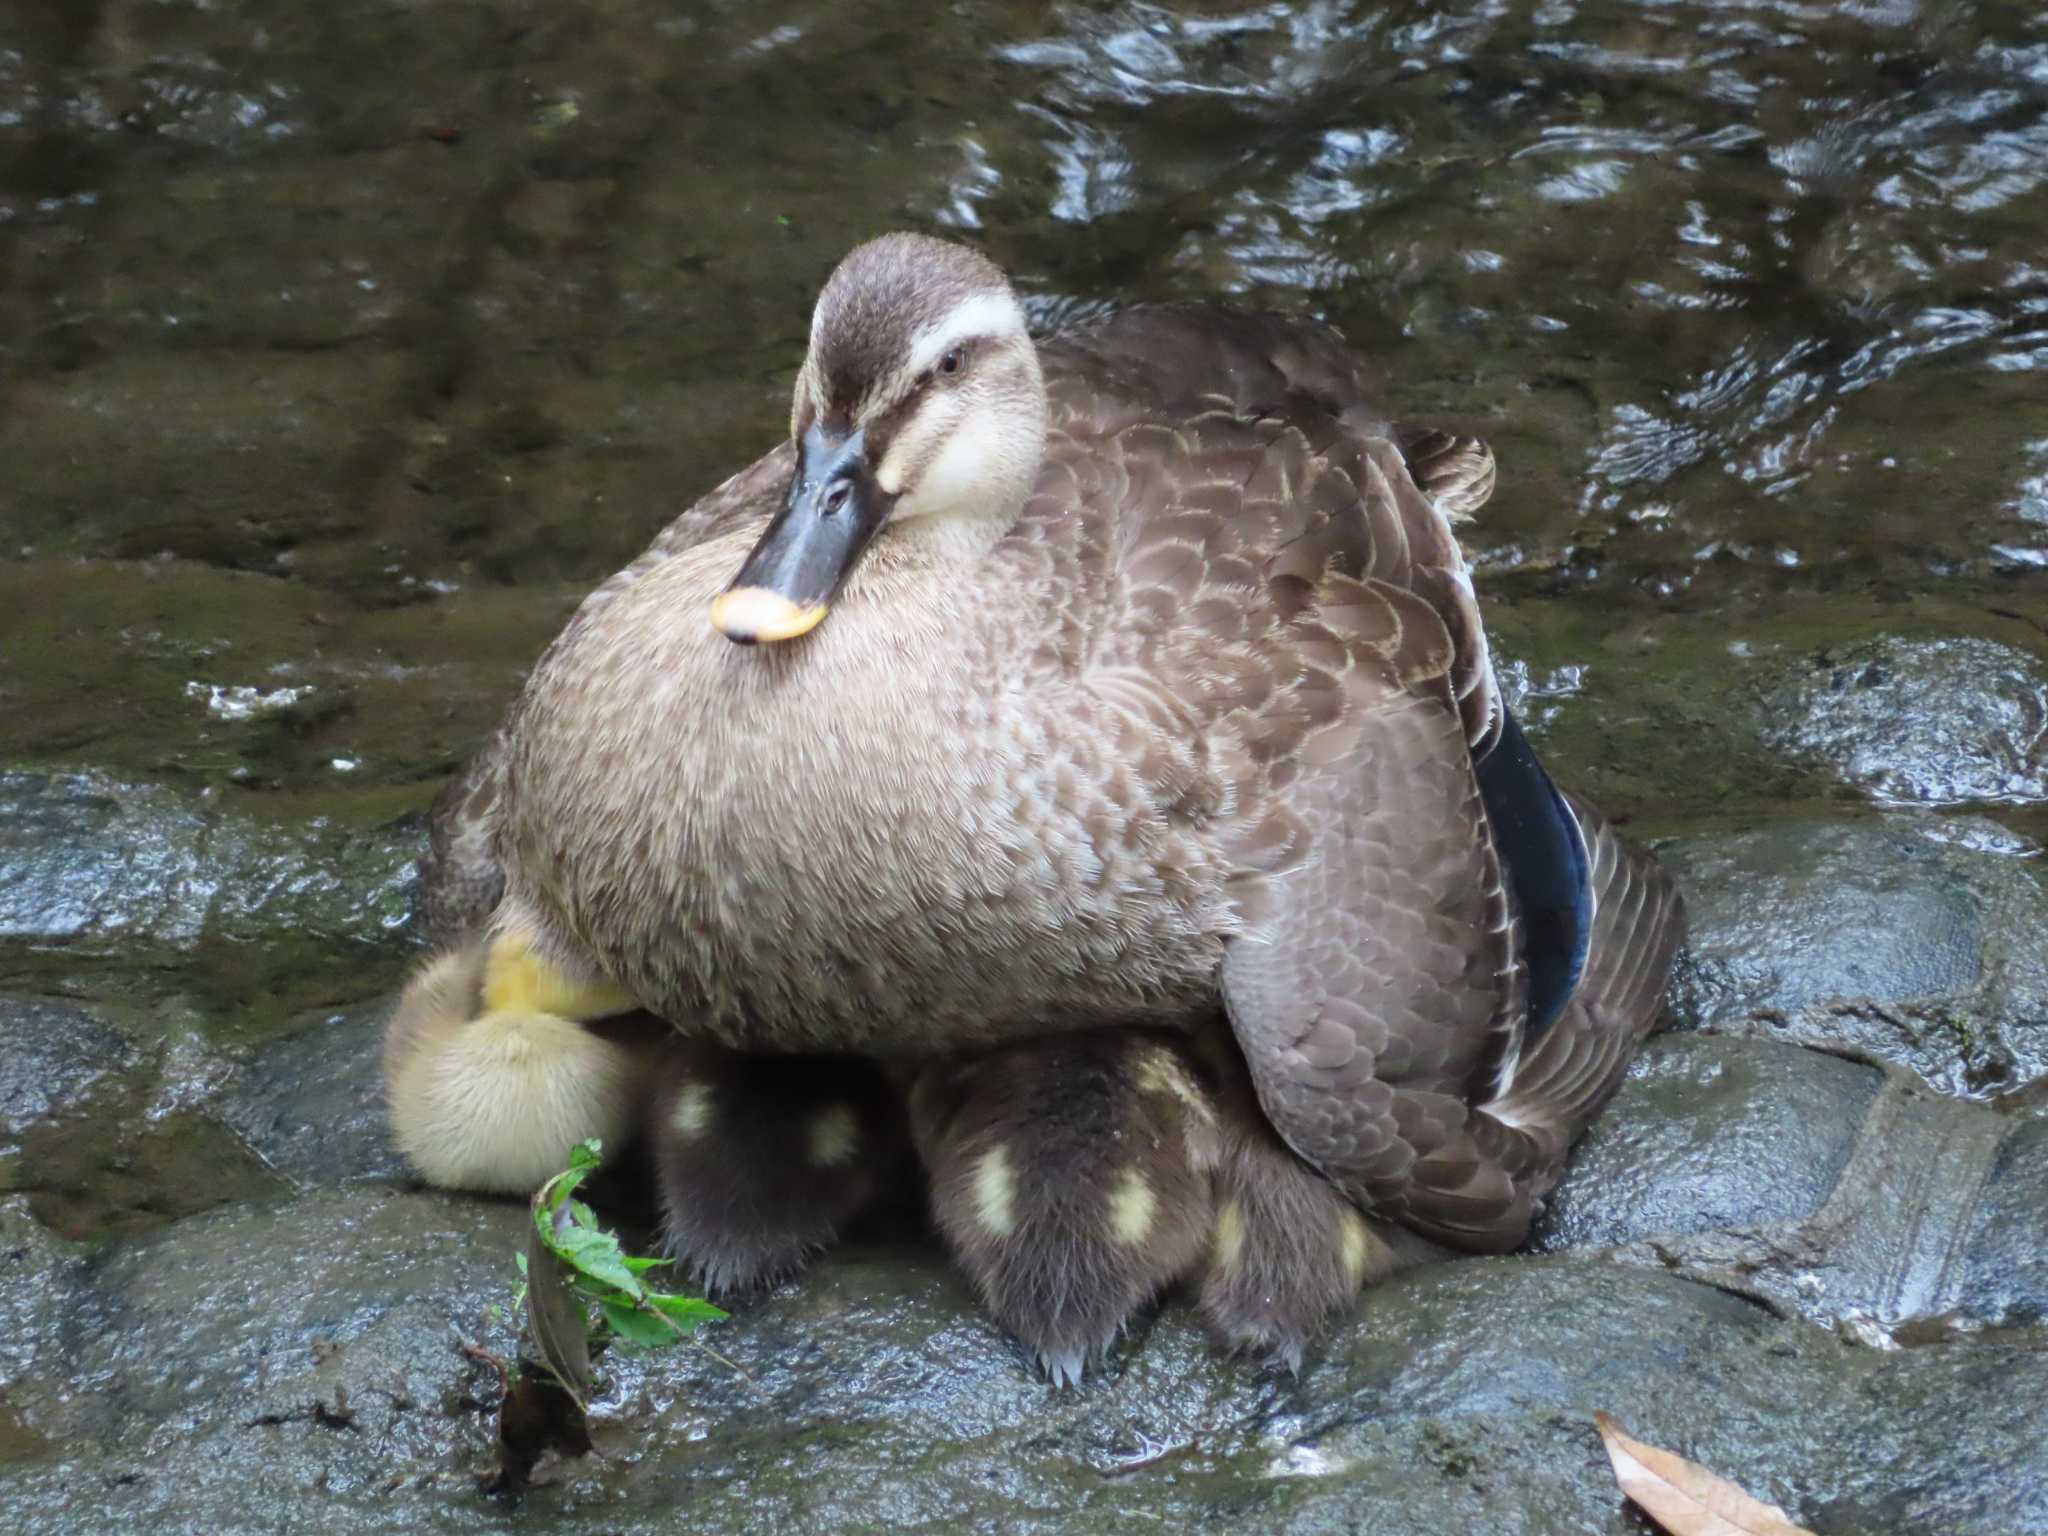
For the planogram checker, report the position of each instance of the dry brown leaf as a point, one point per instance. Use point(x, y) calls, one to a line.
point(556, 1317)
point(1683, 1496)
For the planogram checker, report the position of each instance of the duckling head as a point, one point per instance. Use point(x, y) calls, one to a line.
point(919, 416)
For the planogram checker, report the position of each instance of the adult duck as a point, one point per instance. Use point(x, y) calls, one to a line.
point(1090, 745)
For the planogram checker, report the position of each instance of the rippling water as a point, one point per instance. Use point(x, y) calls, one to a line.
point(429, 315)
point(1758, 285)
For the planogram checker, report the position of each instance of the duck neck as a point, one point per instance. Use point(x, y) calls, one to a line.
point(928, 559)
point(947, 544)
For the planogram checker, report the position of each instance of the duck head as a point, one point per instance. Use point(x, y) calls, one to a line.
point(919, 414)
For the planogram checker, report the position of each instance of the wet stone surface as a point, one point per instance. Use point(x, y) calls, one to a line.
point(50, 1054)
point(1713, 1135)
point(1458, 1400)
point(1920, 722)
point(1916, 939)
point(1834, 1189)
point(343, 348)
point(310, 1103)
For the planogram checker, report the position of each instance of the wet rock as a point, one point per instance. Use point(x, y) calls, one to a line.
point(80, 857)
point(2008, 1277)
point(244, 1313)
point(1916, 939)
point(246, 1360)
point(86, 857)
point(109, 1167)
point(50, 1053)
point(36, 1269)
point(1709, 1135)
point(265, 920)
point(1919, 722)
point(103, 1136)
point(1459, 1399)
point(1848, 1192)
point(311, 1102)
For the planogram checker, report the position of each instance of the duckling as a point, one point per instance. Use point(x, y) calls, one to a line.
point(1073, 1179)
point(1039, 702)
point(491, 1076)
point(763, 1161)
point(1288, 1251)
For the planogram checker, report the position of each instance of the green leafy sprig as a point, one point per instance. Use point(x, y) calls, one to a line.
point(584, 1292)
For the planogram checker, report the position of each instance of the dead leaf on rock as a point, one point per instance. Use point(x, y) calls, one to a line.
point(1683, 1496)
point(556, 1318)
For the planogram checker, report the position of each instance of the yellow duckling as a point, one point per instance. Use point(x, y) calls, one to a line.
point(492, 1074)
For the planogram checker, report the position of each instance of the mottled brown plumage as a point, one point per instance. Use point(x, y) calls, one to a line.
point(1186, 730)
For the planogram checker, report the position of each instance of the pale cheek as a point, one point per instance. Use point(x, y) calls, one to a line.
point(968, 463)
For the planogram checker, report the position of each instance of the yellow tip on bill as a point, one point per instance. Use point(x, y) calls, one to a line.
point(753, 614)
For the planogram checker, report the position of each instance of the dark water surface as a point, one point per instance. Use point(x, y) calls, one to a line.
point(350, 343)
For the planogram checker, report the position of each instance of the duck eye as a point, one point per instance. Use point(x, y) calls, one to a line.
point(950, 363)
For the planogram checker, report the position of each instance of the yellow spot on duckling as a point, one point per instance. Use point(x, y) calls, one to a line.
point(1131, 1208)
point(1159, 1071)
point(1363, 1251)
point(835, 1137)
point(518, 980)
point(995, 1191)
point(693, 1110)
point(1229, 1236)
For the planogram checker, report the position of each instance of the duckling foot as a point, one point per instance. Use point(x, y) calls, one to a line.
point(1071, 1178)
point(764, 1161)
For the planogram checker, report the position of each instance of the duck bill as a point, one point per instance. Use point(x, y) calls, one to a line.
point(833, 511)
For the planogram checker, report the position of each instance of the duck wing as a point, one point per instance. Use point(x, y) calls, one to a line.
point(1283, 576)
point(1455, 469)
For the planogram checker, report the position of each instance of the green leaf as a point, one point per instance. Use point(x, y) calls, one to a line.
point(572, 1259)
point(551, 1196)
point(638, 1329)
point(597, 1254)
point(584, 1160)
point(688, 1311)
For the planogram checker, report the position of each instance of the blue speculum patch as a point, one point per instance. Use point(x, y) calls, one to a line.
point(1539, 842)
